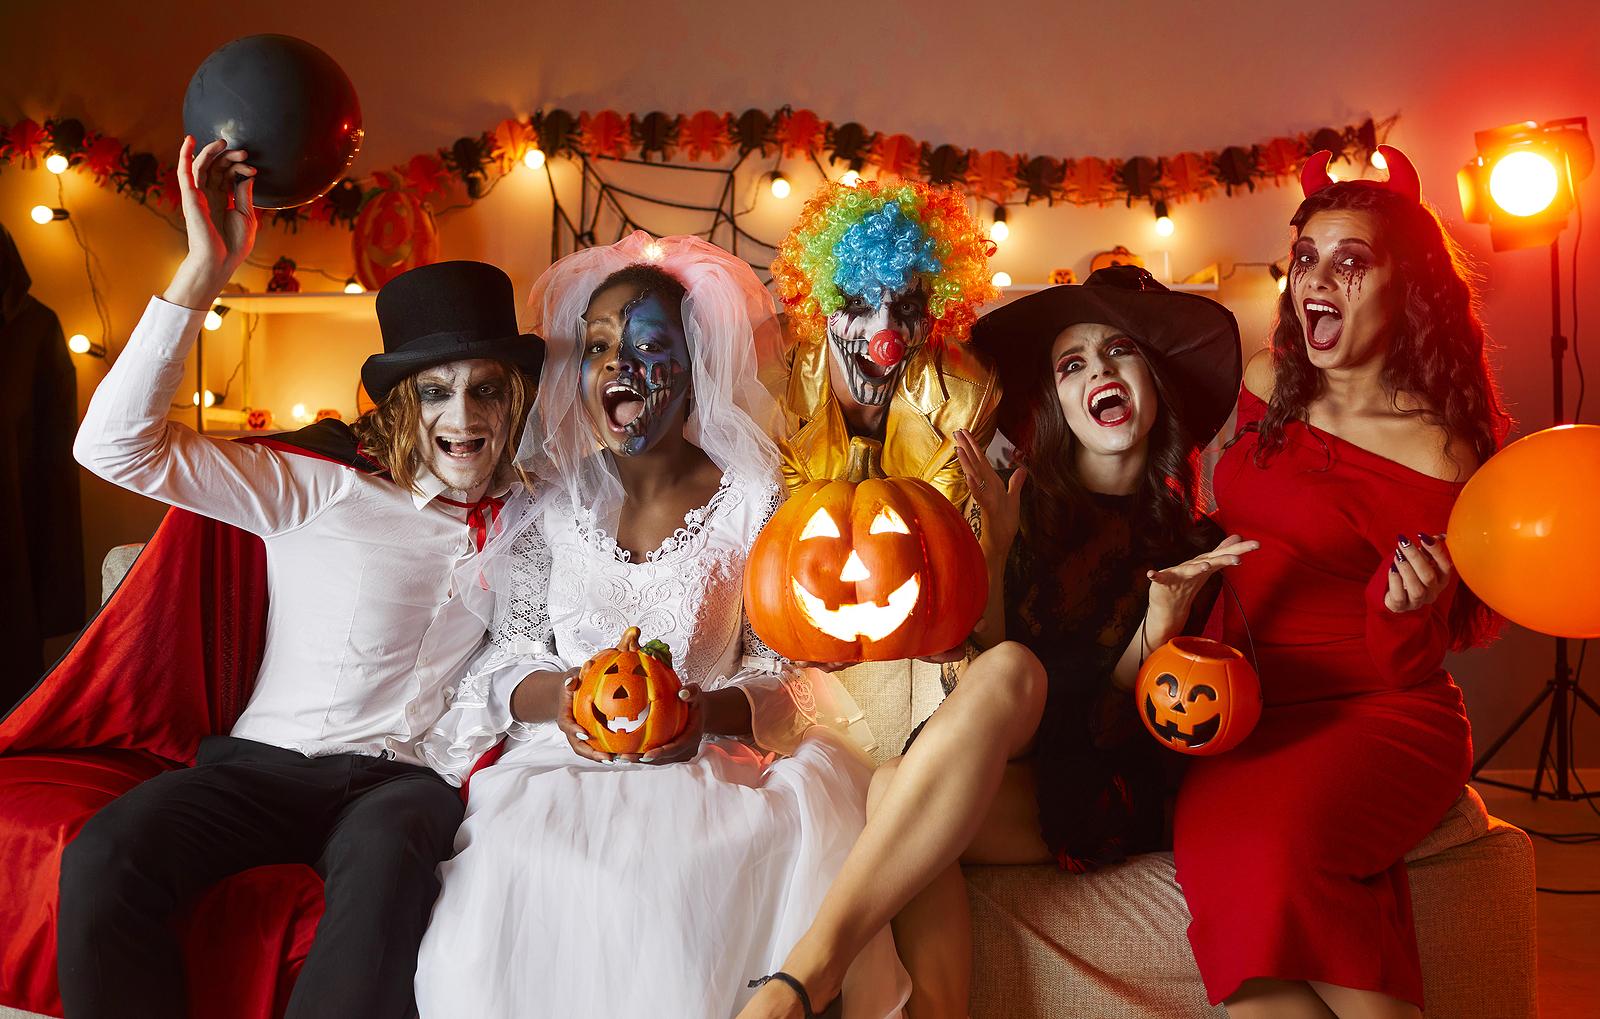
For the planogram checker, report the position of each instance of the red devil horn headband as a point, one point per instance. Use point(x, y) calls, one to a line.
point(1402, 175)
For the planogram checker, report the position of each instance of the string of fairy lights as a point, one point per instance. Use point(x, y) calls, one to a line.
point(604, 211)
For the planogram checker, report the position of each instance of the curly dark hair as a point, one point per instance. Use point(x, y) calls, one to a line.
point(1169, 498)
point(1436, 354)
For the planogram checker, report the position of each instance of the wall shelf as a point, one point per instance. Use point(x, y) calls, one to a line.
point(331, 302)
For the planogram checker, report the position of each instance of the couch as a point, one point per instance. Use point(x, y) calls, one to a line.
point(1107, 944)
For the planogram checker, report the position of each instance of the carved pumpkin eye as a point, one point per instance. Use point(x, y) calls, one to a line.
point(888, 522)
point(1169, 683)
point(820, 525)
point(1202, 691)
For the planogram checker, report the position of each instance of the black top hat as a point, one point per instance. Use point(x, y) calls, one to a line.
point(1191, 342)
point(447, 311)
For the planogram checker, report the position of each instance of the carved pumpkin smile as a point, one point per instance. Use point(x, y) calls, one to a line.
point(871, 569)
point(627, 697)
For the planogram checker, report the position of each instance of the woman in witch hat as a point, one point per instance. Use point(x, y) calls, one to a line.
point(1097, 553)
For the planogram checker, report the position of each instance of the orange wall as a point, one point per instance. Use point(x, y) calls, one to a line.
point(1045, 77)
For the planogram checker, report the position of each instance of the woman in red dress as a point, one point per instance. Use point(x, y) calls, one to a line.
point(1356, 434)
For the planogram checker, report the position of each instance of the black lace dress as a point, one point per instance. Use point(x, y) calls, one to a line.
point(1103, 783)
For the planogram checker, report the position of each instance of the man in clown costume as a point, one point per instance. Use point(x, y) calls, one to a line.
point(883, 281)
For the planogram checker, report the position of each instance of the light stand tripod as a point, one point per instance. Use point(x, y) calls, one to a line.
point(1562, 690)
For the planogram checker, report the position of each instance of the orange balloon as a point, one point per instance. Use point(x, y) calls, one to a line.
point(1525, 531)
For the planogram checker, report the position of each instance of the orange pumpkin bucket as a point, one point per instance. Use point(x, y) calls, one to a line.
point(1198, 696)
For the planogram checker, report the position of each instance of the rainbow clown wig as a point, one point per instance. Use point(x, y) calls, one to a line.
point(875, 238)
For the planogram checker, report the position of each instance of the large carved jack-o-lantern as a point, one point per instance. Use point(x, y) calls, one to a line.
point(1198, 696)
point(865, 569)
point(627, 697)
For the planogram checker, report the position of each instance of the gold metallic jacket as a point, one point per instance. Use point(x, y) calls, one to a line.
point(919, 435)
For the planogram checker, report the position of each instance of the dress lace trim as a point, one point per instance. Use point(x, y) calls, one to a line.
point(591, 533)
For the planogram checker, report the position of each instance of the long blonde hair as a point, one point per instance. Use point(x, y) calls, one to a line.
point(388, 432)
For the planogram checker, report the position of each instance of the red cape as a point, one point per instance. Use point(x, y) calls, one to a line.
point(171, 657)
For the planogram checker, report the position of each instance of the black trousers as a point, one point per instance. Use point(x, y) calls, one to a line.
point(374, 829)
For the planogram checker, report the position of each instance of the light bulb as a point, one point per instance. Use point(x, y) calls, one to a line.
point(850, 178)
point(42, 214)
point(1002, 279)
point(78, 343)
point(780, 185)
point(213, 321)
point(351, 286)
point(1283, 284)
point(1164, 226)
point(1524, 183)
point(533, 158)
point(1378, 162)
point(211, 399)
point(999, 230)
point(55, 162)
point(654, 252)
point(298, 412)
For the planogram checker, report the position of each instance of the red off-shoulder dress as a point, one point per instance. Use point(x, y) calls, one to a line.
point(1290, 848)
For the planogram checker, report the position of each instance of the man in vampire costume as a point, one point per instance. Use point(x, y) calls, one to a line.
point(289, 632)
point(882, 282)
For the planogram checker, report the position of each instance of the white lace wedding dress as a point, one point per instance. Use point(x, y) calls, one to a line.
point(583, 889)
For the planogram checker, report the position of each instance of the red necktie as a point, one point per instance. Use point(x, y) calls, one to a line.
point(481, 516)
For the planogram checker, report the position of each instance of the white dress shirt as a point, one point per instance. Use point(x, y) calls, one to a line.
point(362, 634)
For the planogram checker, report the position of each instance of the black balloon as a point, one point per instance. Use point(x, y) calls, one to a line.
point(288, 105)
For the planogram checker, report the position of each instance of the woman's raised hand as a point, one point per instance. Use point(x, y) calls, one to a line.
point(1173, 590)
point(1419, 573)
point(217, 189)
point(1000, 503)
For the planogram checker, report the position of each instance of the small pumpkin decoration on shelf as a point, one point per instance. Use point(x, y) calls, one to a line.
point(1198, 696)
point(865, 569)
point(627, 697)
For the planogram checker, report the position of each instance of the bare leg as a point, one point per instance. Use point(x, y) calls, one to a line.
point(1349, 1003)
point(933, 933)
point(1276, 999)
point(923, 814)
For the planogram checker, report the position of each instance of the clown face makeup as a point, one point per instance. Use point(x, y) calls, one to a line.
point(871, 342)
point(464, 422)
point(1107, 392)
point(634, 378)
point(1343, 285)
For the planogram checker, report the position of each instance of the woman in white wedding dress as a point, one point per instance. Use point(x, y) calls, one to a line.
point(660, 885)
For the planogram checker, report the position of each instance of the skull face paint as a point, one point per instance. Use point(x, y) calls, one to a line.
point(853, 329)
point(634, 378)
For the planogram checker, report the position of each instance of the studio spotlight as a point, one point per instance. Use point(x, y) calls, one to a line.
point(1522, 181)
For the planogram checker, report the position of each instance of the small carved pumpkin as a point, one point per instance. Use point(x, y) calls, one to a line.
point(1118, 255)
point(627, 697)
point(1198, 696)
point(865, 569)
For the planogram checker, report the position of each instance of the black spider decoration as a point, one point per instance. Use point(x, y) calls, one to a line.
point(1139, 177)
point(557, 131)
point(466, 159)
point(944, 165)
point(658, 133)
point(1236, 167)
point(139, 174)
point(850, 143)
point(753, 130)
point(1330, 139)
point(344, 202)
point(66, 136)
point(1043, 177)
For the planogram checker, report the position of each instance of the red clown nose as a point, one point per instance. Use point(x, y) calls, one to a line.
point(887, 348)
